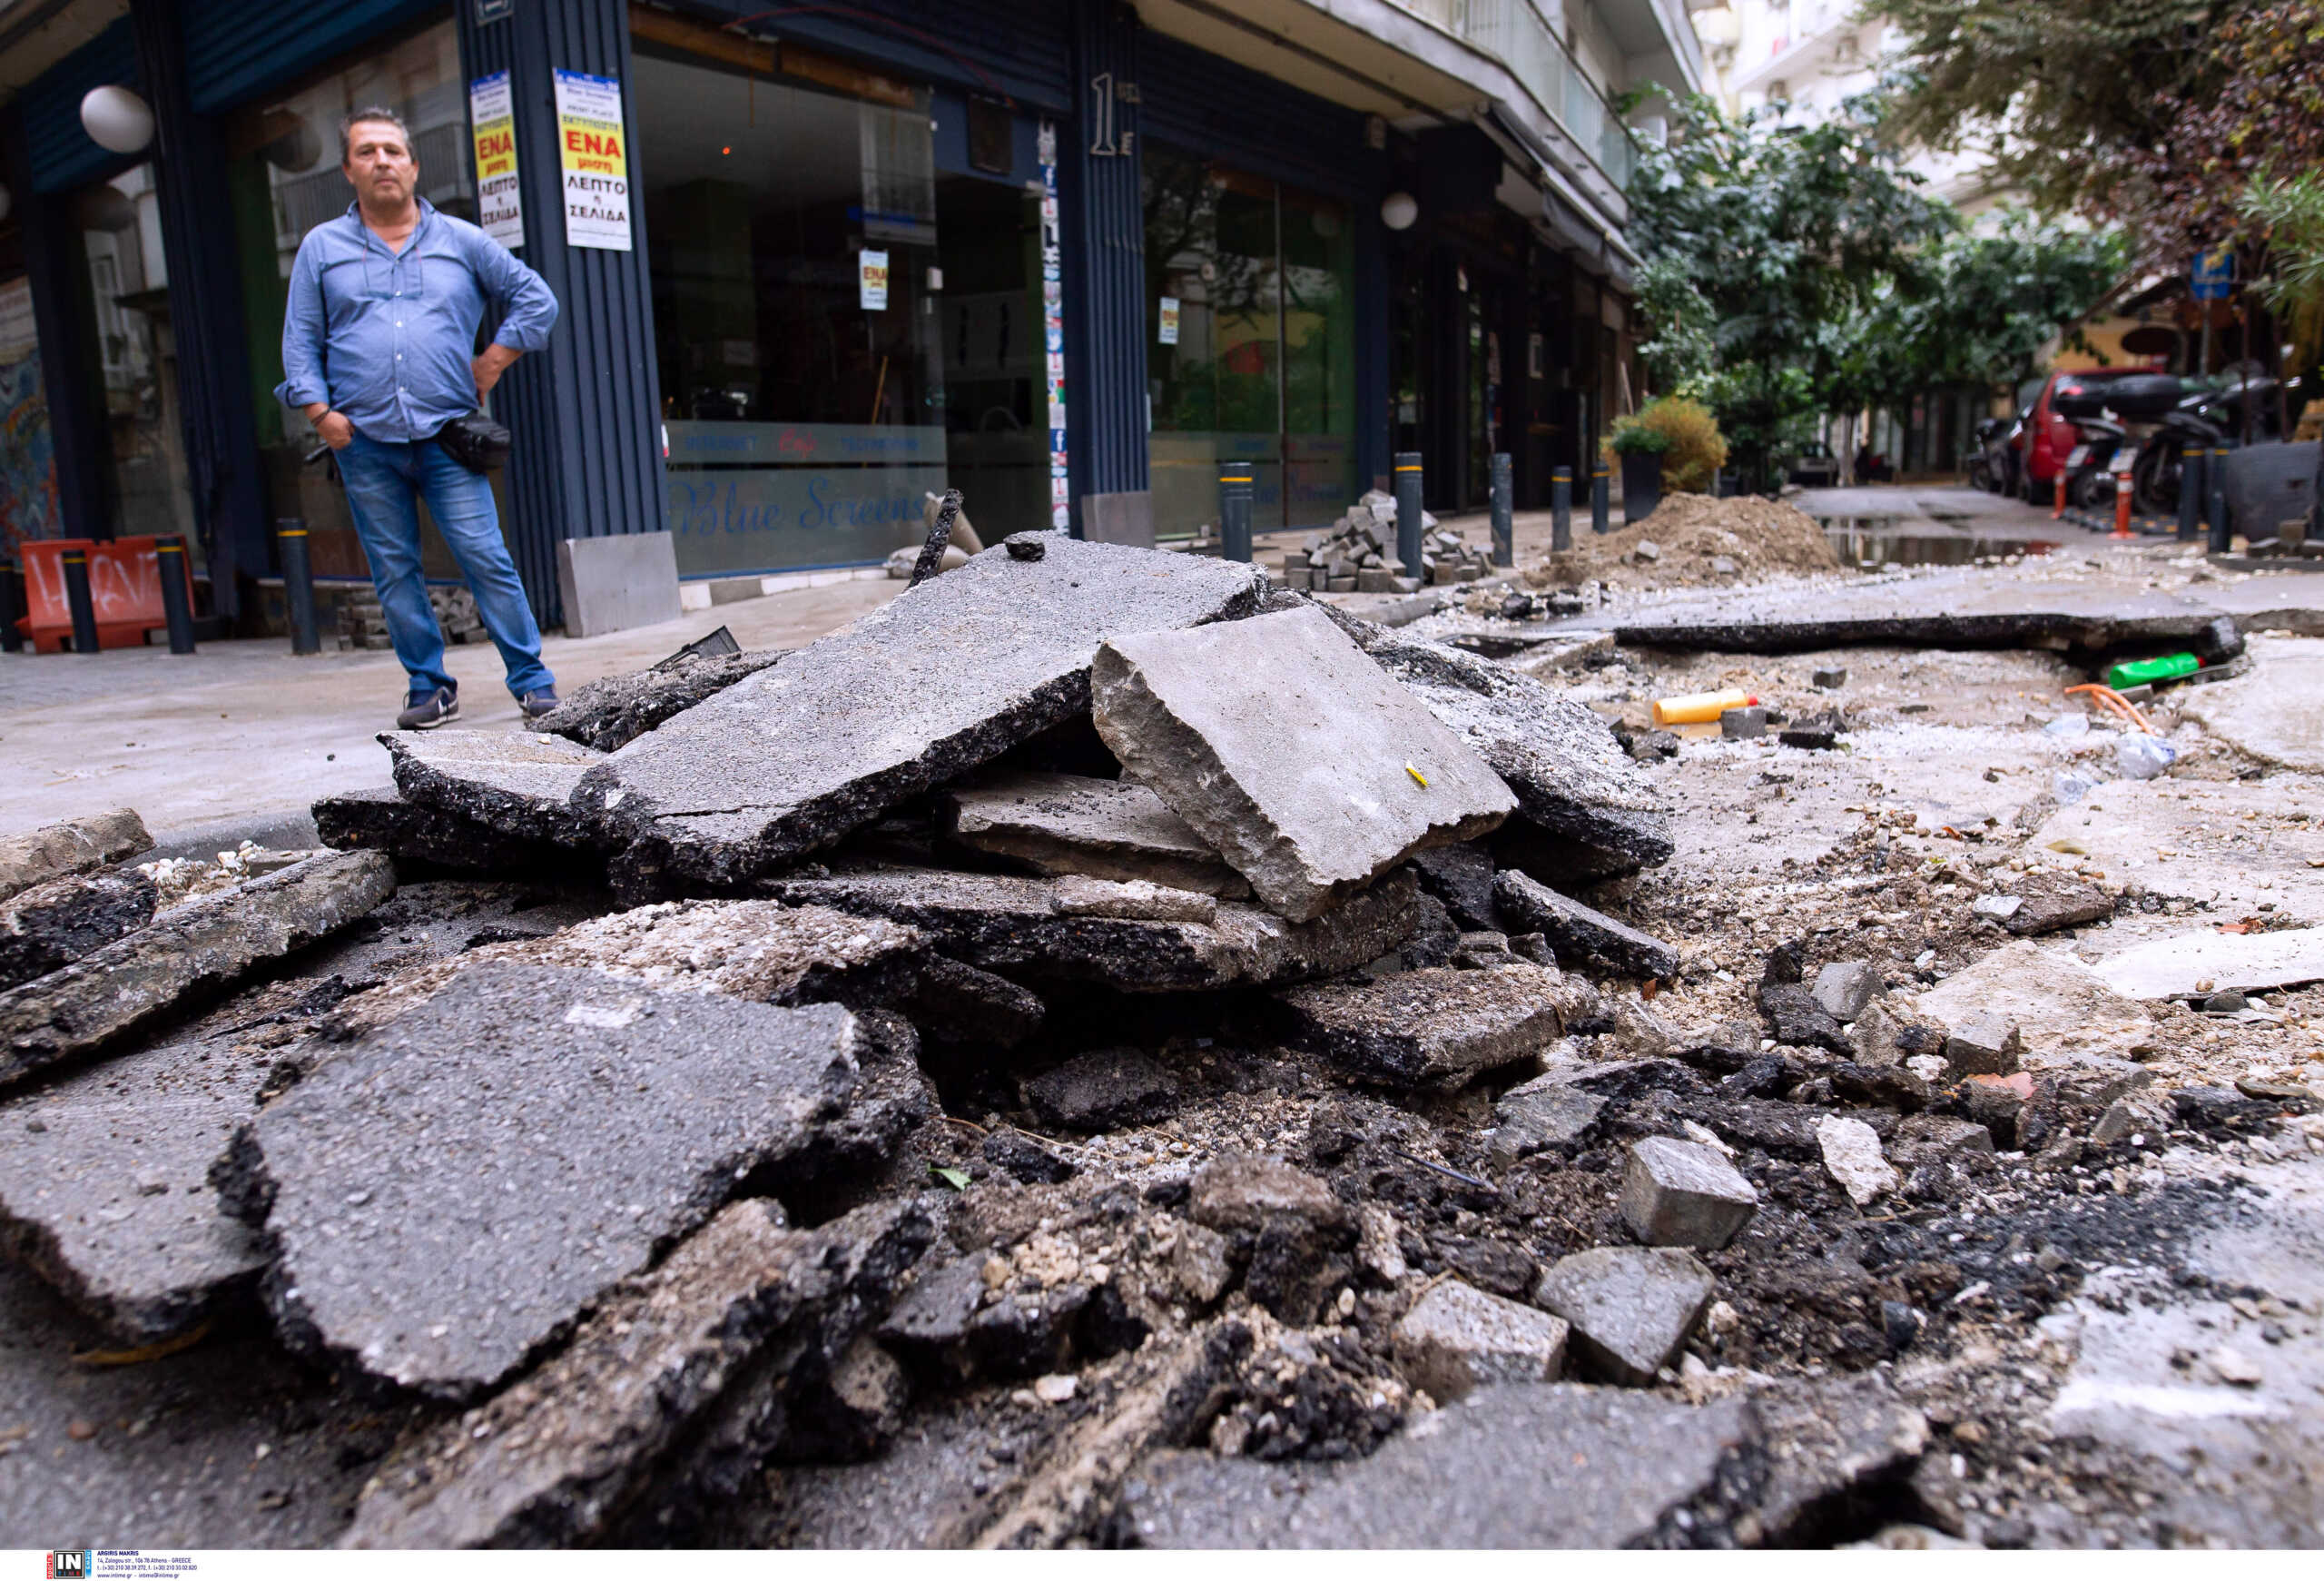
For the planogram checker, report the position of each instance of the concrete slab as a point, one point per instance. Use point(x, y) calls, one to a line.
point(611, 583)
point(2272, 715)
point(1573, 779)
point(105, 1184)
point(73, 846)
point(184, 951)
point(1309, 770)
point(1059, 824)
point(1578, 935)
point(1631, 1307)
point(1012, 925)
point(2233, 845)
point(2065, 1011)
point(55, 923)
point(937, 684)
point(2203, 963)
point(612, 712)
point(1437, 1026)
point(518, 784)
point(745, 1306)
point(449, 1193)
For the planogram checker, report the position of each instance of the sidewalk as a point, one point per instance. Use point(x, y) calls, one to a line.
point(236, 741)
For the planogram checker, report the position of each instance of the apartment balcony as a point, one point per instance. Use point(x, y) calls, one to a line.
point(1419, 63)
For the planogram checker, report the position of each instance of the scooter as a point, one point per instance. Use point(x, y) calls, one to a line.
point(2090, 465)
point(1993, 465)
point(2204, 420)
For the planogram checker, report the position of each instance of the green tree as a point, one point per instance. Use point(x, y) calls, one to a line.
point(1785, 234)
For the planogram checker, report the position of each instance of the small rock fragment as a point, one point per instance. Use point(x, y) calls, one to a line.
point(1631, 1307)
point(1852, 1157)
point(1457, 1337)
point(2234, 1366)
point(1103, 1089)
point(1681, 1193)
point(1845, 987)
point(1437, 1025)
point(1136, 900)
point(1986, 1043)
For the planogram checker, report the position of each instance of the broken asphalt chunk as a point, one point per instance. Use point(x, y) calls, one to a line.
point(1631, 1307)
point(1578, 934)
point(1004, 923)
point(104, 1188)
point(936, 684)
point(517, 784)
point(382, 820)
point(1796, 1017)
point(55, 923)
point(74, 846)
point(1309, 770)
point(1102, 1090)
point(1682, 1193)
point(1439, 1025)
point(683, 1375)
point(448, 1194)
point(945, 1330)
point(1572, 780)
point(1544, 1113)
point(1457, 1339)
point(1059, 824)
point(204, 943)
point(612, 712)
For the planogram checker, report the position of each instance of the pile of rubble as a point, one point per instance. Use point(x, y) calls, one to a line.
point(362, 624)
point(1101, 1050)
point(1359, 554)
point(1692, 540)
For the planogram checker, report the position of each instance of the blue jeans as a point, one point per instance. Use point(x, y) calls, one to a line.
point(385, 482)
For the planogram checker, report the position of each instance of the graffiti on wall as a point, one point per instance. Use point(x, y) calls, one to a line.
point(27, 453)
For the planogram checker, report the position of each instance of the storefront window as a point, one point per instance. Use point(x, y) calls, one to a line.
point(284, 179)
point(129, 295)
point(1251, 351)
point(28, 449)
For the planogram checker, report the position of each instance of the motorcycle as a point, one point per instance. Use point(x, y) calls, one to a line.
point(2205, 419)
point(2090, 465)
point(1992, 463)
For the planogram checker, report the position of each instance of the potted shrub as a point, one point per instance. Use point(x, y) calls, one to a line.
point(1643, 450)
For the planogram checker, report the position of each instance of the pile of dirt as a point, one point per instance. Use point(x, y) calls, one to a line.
point(1698, 542)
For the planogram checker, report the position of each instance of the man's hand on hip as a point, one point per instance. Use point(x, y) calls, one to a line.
point(336, 430)
point(490, 366)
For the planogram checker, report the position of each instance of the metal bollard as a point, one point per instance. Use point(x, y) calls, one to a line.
point(77, 595)
point(298, 585)
point(1408, 510)
point(11, 606)
point(177, 606)
point(1234, 490)
point(1600, 501)
point(2215, 498)
point(1505, 530)
point(1561, 509)
point(2191, 493)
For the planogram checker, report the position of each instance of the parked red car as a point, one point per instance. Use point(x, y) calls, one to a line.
point(2045, 438)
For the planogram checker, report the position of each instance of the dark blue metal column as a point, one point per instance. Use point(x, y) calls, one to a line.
point(587, 411)
point(205, 313)
point(1105, 261)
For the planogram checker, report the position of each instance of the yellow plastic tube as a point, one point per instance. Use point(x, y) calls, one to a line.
point(1702, 708)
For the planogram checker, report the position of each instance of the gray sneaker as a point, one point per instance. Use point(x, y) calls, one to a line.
point(535, 704)
point(424, 713)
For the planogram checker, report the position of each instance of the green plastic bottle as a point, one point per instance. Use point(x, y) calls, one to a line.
point(2138, 672)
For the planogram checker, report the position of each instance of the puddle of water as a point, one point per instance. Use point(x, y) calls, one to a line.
point(1874, 542)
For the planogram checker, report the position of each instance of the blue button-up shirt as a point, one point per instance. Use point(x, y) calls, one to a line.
point(387, 338)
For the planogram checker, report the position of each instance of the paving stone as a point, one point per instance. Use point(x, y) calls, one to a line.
point(1059, 824)
point(1461, 878)
point(1983, 1043)
point(922, 691)
point(1844, 988)
point(945, 1331)
point(1631, 1307)
point(612, 712)
point(448, 1193)
point(1457, 1339)
point(187, 950)
point(1309, 770)
point(1682, 1193)
point(104, 1188)
point(382, 820)
point(1574, 781)
point(1009, 924)
point(698, 1362)
point(1103, 1090)
point(55, 923)
point(74, 846)
point(1795, 1017)
point(1437, 1026)
point(1578, 934)
point(1852, 1156)
point(507, 780)
point(1514, 1466)
point(1136, 900)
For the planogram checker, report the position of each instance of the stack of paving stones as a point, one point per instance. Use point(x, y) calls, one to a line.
point(1359, 555)
point(583, 1099)
point(362, 624)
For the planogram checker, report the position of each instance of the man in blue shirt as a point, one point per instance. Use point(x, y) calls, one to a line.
point(385, 302)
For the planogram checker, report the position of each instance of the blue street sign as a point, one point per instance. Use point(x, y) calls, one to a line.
point(2214, 274)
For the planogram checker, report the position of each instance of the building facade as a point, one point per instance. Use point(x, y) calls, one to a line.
point(816, 262)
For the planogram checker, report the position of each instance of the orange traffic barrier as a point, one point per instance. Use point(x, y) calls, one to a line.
point(125, 589)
